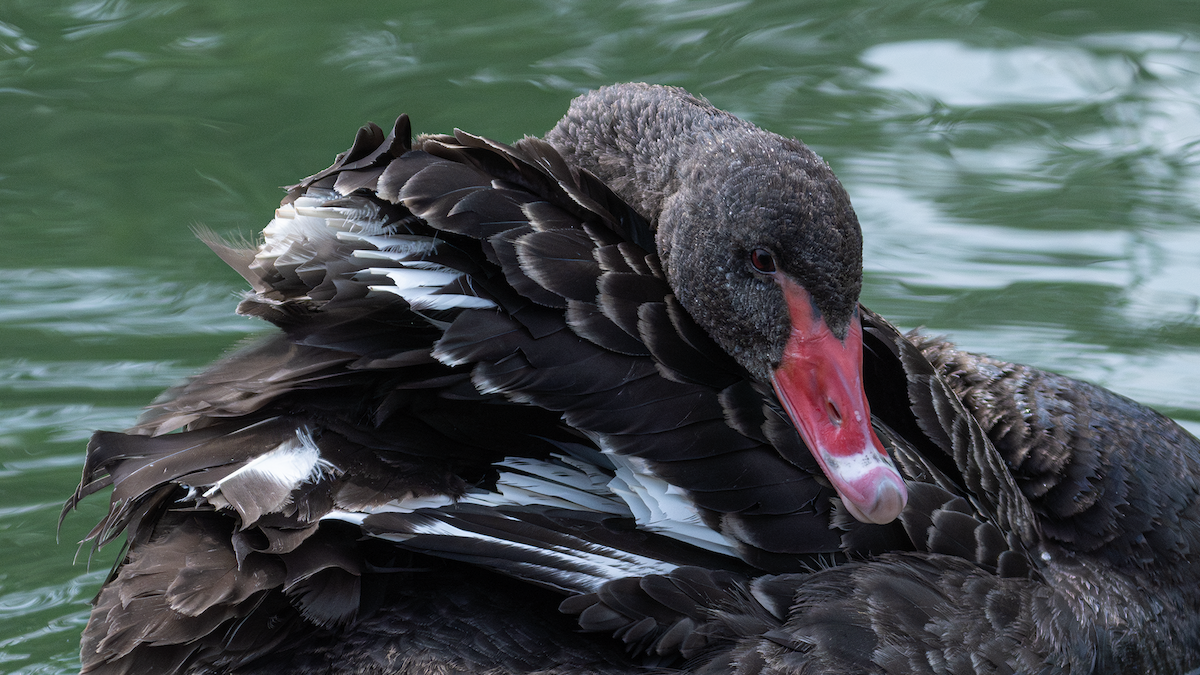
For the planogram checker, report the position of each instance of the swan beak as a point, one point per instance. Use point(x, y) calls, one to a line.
point(819, 382)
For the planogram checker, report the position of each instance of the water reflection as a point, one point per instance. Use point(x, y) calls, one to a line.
point(113, 300)
point(22, 428)
point(14, 41)
point(378, 53)
point(25, 375)
point(106, 16)
point(956, 74)
point(1073, 243)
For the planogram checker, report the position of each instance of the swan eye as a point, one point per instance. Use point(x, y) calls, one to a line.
point(763, 261)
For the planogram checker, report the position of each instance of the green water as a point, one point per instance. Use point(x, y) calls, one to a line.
point(1027, 175)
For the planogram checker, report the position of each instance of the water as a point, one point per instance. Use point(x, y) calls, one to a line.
point(1026, 174)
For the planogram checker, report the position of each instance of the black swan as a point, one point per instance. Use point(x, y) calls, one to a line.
point(548, 408)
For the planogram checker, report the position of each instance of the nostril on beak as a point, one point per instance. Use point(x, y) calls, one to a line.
point(835, 415)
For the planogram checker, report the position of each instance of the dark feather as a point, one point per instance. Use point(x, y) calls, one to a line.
point(561, 261)
point(589, 322)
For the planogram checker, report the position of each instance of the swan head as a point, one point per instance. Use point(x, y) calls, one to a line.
point(762, 247)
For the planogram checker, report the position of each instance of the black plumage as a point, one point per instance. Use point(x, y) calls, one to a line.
point(510, 378)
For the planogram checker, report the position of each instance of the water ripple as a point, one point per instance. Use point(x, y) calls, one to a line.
point(115, 301)
point(25, 602)
point(107, 16)
point(26, 375)
point(957, 74)
point(377, 52)
point(67, 423)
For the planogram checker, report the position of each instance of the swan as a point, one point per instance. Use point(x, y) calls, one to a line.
point(607, 401)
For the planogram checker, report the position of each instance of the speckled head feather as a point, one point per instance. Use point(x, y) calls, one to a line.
point(715, 188)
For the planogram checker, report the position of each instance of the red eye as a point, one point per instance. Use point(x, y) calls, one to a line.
point(762, 261)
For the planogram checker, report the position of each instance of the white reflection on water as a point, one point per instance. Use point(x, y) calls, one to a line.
point(95, 17)
point(13, 40)
point(25, 375)
point(71, 423)
point(1151, 274)
point(1146, 82)
point(906, 233)
point(1098, 202)
point(961, 75)
point(75, 592)
point(108, 300)
point(378, 52)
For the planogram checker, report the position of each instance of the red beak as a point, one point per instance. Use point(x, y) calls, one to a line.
point(819, 382)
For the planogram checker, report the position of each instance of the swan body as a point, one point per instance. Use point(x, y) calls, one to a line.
point(606, 401)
